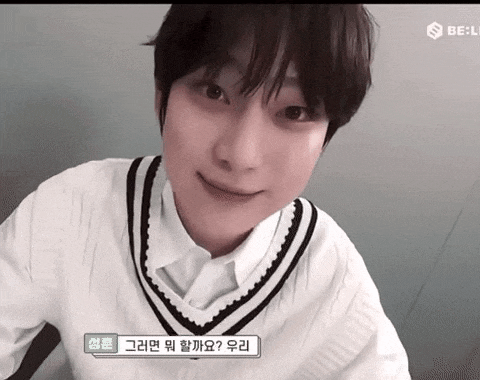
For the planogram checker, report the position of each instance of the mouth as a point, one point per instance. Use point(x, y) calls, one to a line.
point(225, 192)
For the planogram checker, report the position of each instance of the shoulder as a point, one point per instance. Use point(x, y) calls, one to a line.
point(68, 209)
point(332, 259)
point(338, 278)
point(80, 192)
point(327, 239)
point(89, 175)
point(97, 179)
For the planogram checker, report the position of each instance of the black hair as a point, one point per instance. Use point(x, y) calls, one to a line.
point(331, 46)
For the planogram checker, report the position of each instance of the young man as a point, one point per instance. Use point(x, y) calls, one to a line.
point(211, 238)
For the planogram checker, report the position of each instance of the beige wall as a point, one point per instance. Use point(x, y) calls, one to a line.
point(402, 178)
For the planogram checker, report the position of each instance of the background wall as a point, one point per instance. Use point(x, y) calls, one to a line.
point(402, 179)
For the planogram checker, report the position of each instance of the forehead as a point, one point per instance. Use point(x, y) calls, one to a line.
point(239, 58)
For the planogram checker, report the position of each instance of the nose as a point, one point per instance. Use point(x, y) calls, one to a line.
point(240, 147)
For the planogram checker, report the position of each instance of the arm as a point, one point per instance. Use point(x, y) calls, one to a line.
point(383, 357)
point(21, 310)
point(31, 246)
point(361, 341)
point(36, 246)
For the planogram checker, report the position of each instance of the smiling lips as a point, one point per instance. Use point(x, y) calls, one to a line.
point(226, 193)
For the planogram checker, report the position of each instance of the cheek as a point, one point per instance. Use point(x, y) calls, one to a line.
point(305, 150)
point(175, 137)
point(296, 167)
point(188, 128)
point(315, 142)
point(173, 144)
point(180, 126)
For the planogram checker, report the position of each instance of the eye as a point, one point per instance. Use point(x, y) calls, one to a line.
point(293, 112)
point(211, 91)
point(297, 113)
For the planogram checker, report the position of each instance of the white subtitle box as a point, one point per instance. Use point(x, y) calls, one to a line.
point(158, 346)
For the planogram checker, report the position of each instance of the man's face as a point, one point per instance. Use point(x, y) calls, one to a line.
point(233, 160)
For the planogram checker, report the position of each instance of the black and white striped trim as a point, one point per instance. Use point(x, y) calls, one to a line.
point(235, 316)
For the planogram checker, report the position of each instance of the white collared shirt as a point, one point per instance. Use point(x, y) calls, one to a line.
point(65, 258)
point(189, 269)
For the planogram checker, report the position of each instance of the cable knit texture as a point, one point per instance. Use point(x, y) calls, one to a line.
point(75, 254)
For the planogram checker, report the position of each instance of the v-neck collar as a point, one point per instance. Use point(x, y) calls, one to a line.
point(233, 311)
point(168, 236)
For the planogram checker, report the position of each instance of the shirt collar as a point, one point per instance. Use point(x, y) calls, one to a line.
point(174, 240)
point(176, 243)
point(248, 254)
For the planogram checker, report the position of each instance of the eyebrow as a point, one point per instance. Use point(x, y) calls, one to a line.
point(230, 61)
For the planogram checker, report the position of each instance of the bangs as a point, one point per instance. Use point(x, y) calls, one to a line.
point(330, 46)
point(273, 33)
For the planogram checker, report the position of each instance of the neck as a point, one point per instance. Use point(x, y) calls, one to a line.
point(221, 247)
point(217, 241)
point(211, 241)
